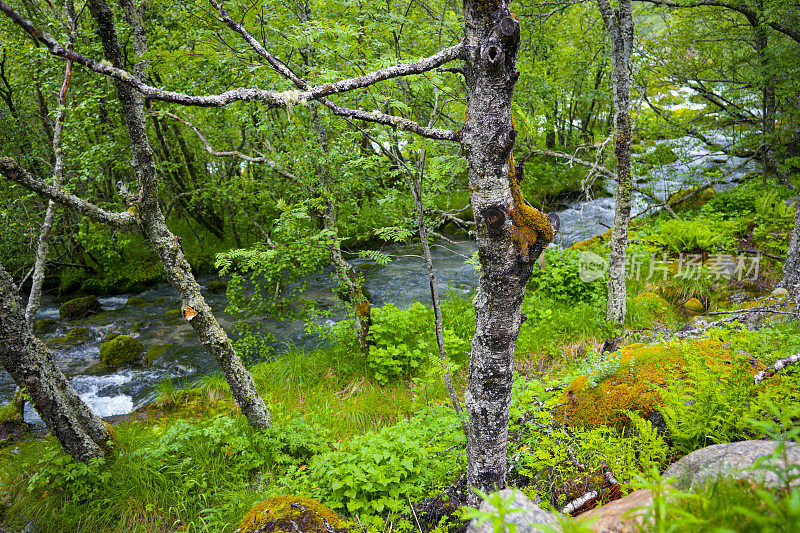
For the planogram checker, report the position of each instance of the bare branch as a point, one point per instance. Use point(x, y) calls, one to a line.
point(753, 16)
point(562, 155)
point(269, 162)
point(779, 365)
point(273, 98)
point(12, 171)
point(366, 116)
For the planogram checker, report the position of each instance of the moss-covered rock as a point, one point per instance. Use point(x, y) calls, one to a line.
point(73, 337)
point(154, 352)
point(652, 299)
point(217, 286)
point(172, 313)
point(121, 350)
point(160, 300)
point(690, 198)
point(79, 308)
point(292, 514)
point(44, 324)
point(109, 336)
point(137, 326)
point(136, 300)
point(694, 305)
point(592, 242)
point(642, 370)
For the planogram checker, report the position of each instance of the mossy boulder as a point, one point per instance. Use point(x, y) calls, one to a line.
point(172, 313)
point(690, 198)
point(79, 308)
point(136, 300)
point(694, 305)
point(641, 371)
point(160, 300)
point(137, 326)
point(154, 352)
point(120, 350)
point(217, 286)
point(73, 337)
point(588, 244)
point(292, 514)
point(652, 300)
point(44, 324)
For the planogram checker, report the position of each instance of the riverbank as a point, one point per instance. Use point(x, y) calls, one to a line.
point(191, 463)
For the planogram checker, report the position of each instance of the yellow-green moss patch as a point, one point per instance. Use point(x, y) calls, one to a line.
point(292, 514)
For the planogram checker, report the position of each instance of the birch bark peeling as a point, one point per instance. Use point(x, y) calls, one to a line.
point(511, 235)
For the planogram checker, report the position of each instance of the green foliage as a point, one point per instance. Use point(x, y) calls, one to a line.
point(707, 404)
point(557, 463)
point(403, 342)
point(377, 474)
point(497, 516)
point(560, 279)
point(680, 236)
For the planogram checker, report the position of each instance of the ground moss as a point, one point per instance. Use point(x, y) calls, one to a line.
point(642, 371)
point(289, 514)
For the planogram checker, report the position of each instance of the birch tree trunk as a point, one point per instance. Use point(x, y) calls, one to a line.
point(619, 24)
point(791, 269)
point(43, 247)
point(78, 430)
point(511, 235)
point(167, 245)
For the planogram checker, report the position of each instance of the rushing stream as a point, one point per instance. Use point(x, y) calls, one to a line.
point(402, 281)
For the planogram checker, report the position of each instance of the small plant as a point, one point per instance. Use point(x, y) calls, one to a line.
point(497, 516)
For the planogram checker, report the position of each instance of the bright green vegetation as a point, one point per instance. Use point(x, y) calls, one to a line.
point(367, 435)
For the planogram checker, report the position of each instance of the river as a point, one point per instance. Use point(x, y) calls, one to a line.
point(402, 281)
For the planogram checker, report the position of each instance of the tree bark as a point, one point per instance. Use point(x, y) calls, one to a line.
point(511, 235)
point(619, 24)
point(167, 245)
point(791, 268)
point(43, 247)
point(78, 430)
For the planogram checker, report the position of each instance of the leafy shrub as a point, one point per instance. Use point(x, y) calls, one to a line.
point(404, 342)
point(377, 473)
point(691, 235)
point(560, 279)
point(545, 453)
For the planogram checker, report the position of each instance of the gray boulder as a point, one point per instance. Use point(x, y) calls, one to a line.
point(735, 460)
point(529, 514)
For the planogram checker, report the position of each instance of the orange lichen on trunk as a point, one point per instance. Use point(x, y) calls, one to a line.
point(529, 224)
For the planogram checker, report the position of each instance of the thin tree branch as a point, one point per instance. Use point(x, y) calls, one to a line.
point(273, 98)
point(237, 154)
point(740, 7)
point(12, 171)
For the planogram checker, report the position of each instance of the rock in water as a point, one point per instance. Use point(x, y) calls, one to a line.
point(120, 350)
point(79, 308)
point(734, 460)
point(525, 520)
point(296, 514)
